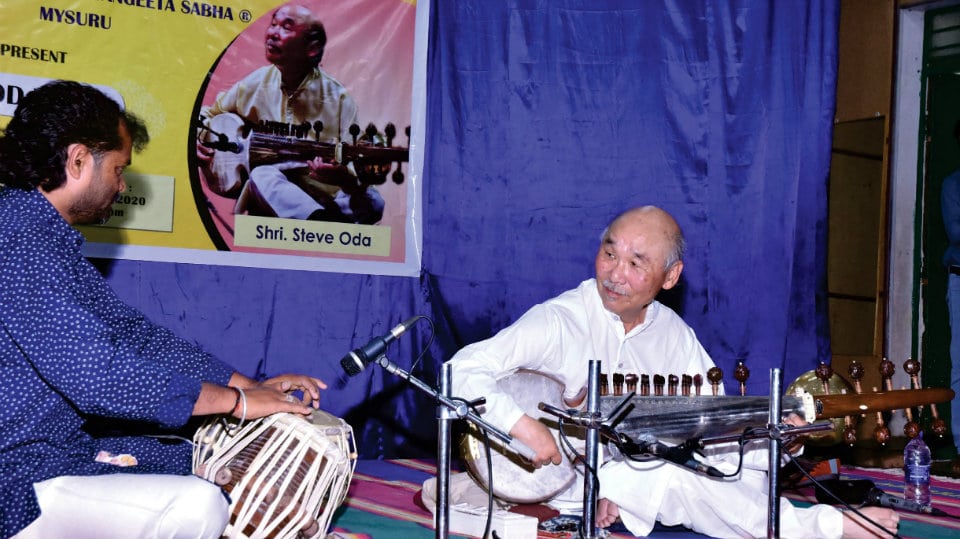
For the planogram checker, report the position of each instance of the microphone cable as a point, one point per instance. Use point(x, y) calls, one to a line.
point(488, 454)
point(575, 457)
point(687, 446)
point(843, 502)
point(426, 348)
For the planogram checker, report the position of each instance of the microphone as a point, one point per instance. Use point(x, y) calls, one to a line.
point(684, 457)
point(681, 455)
point(878, 497)
point(222, 144)
point(354, 362)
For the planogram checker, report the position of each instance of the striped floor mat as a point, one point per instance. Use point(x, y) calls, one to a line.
point(381, 504)
point(945, 494)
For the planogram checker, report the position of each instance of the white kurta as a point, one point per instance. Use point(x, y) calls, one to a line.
point(559, 337)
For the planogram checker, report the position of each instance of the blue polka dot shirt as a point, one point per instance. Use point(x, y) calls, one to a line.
point(82, 372)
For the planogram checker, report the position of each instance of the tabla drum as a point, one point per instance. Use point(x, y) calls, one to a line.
point(285, 474)
point(514, 479)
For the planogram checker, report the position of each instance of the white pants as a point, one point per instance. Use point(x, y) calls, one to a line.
point(269, 193)
point(718, 508)
point(124, 506)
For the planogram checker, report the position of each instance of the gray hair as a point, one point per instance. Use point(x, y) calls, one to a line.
point(679, 249)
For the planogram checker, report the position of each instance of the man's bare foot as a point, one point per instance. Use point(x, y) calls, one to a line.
point(854, 527)
point(607, 513)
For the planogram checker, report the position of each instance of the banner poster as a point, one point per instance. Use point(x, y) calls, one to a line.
point(282, 135)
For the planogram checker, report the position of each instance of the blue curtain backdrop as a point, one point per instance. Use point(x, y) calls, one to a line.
point(545, 118)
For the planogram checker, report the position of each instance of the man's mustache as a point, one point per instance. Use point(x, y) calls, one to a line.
point(609, 285)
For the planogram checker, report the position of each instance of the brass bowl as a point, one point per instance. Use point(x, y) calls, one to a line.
point(809, 382)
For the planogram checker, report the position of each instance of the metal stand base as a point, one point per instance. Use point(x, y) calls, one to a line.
point(594, 423)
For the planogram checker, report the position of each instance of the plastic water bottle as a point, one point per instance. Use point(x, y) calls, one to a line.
point(916, 471)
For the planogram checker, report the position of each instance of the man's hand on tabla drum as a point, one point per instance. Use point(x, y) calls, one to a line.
point(309, 386)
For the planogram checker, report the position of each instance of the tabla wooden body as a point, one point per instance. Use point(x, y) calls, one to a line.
point(514, 479)
point(285, 475)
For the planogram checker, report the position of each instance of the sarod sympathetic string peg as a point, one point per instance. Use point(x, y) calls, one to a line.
point(856, 374)
point(673, 382)
point(849, 430)
point(887, 370)
point(741, 373)
point(658, 383)
point(912, 367)
point(389, 131)
point(823, 373)
point(715, 375)
point(881, 433)
point(617, 384)
point(911, 429)
point(370, 133)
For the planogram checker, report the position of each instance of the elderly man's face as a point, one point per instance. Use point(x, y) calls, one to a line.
point(630, 267)
point(286, 40)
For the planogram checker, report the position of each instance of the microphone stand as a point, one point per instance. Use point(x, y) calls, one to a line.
point(776, 431)
point(445, 417)
point(595, 423)
point(449, 410)
point(588, 527)
point(774, 455)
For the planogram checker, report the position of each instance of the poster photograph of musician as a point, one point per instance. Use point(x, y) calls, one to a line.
point(301, 127)
point(281, 132)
